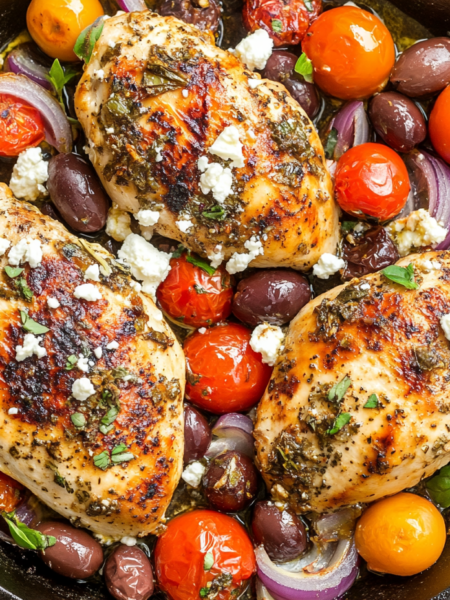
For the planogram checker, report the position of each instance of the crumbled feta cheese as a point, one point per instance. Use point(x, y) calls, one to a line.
point(185, 93)
point(83, 363)
point(146, 232)
point(100, 74)
point(216, 179)
point(267, 340)
point(327, 265)
point(216, 257)
point(417, 230)
point(128, 540)
point(82, 389)
point(253, 83)
point(27, 250)
point(159, 157)
point(112, 345)
point(136, 286)
point(158, 316)
point(13, 411)
point(359, 227)
point(202, 163)
point(364, 286)
point(255, 50)
point(193, 473)
point(147, 264)
point(88, 292)
point(30, 347)
point(202, 330)
point(29, 175)
point(53, 303)
point(112, 44)
point(118, 224)
point(93, 273)
point(445, 324)
point(240, 261)
point(229, 147)
point(4, 245)
point(184, 225)
point(147, 218)
point(109, 130)
point(432, 265)
point(98, 352)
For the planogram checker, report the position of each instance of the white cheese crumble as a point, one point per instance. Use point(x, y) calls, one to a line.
point(268, 341)
point(98, 352)
point(147, 264)
point(229, 147)
point(184, 225)
point(128, 540)
point(83, 363)
point(240, 261)
point(215, 179)
point(13, 411)
point(27, 250)
point(53, 303)
point(82, 389)
point(112, 44)
point(88, 292)
point(431, 265)
point(185, 93)
point(109, 130)
point(417, 230)
point(216, 257)
point(445, 324)
point(255, 50)
point(99, 74)
point(147, 218)
point(118, 224)
point(112, 345)
point(93, 273)
point(193, 474)
point(146, 232)
point(327, 265)
point(30, 347)
point(135, 285)
point(4, 245)
point(202, 330)
point(253, 83)
point(29, 175)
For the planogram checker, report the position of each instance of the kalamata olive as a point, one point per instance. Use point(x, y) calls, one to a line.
point(369, 253)
point(274, 296)
point(204, 14)
point(197, 434)
point(398, 121)
point(76, 554)
point(280, 67)
point(128, 574)
point(77, 193)
point(230, 482)
point(423, 69)
point(281, 531)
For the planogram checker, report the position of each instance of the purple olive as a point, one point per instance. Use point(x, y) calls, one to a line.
point(197, 434)
point(281, 531)
point(128, 574)
point(204, 14)
point(369, 253)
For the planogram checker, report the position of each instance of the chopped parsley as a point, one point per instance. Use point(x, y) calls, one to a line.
point(119, 454)
point(304, 67)
point(401, 275)
point(339, 390)
point(106, 423)
point(102, 460)
point(216, 212)
point(28, 324)
point(78, 419)
point(277, 26)
point(13, 271)
point(372, 402)
point(71, 362)
point(23, 288)
point(340, 422)
point(348, 225)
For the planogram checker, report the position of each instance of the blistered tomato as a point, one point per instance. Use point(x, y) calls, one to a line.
point(21, 126)
point(439, 125)
point(223, 373)
point(372, 180)
point(403, 535)
point(204, 554)
point(352, 52)
point(10, 493)
point(56, 24)
point(192, 296)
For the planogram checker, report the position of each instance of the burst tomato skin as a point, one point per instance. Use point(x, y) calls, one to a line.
point(10, 493)
point(295, 17)
point(21, 126)
point(372, 180)
point(191, 296)
point(180, 554)
point(439, 125)
point(223, 373)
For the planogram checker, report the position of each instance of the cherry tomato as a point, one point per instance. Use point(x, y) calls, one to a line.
point(223, 373)
point(203, 547)
point(352, 52)
point(372, 180)
point(403, 535)
point(10, 493)
point(286, 21)
point(21, 126)
point(439, 125)
point(191, 296)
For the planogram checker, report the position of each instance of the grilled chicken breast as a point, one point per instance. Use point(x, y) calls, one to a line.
point(386, 425)
point(153, 100)
point(112, 461)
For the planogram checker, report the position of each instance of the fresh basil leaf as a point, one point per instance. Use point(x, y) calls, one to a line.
point(118, 449)
point(204, 592)
point(179, 251)
point(26, 537)
point(339, 423)
point(123, 457)
point(102, 460)
point(110, 416)
point(217, 213)
point(277, 26)
point(78, 419)
point(401, 275)
point(71, 362)
point(339, 390)
point(348, 225)
point(372, 402)
point(29, 325)
point(105, 429)
point(309, 6)
point(84, 46)
point(304, 67)
point(439, 487)
point(208, 561)
point(199, 289)
point(23, 288)
point(202, 264)
point(331, 144)
point(13, 271)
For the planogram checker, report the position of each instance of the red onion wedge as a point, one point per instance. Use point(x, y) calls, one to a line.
point(324, 573)
point(132, 5)
point(331, 527)
point(232, 432)
point(57, 129)
point(351, 127)
point(23, 61)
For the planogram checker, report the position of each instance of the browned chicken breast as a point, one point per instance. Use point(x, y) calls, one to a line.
point(358, 405)
point(177, 126)
point(91, 379)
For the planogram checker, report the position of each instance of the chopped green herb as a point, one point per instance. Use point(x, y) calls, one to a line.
point(118, 449)
point(199, 262)
point(199, 289)
point(107, 420)
point(84, 46)
point(277, 26)
point(439, 487)
point(124, 457)
point(309, 6)
point(330, 145)
point(203, 592)
point(23, 288)
point(58, 76)
point(26, 537)
point(339, 423)
point(401, 275)
point(179, 251)
point(13, 271)
point(29, 325)
point(78, 419)
point(71, 362)
point(304, 67)
point(339, 390)
point(348, 225)
point(209, 561)
point(102, 460)
point(372, 402)
point(105, 429)
point(216, 212)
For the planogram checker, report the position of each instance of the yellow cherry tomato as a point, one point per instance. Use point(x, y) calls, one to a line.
point(56, 24)
point(402, 535)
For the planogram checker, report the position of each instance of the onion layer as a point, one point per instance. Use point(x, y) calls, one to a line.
point(22, 61)
point(232, 432)
point(132, 5)
point(352, 127)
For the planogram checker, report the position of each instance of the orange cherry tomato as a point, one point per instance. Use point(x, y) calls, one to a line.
point(439, 126)
point(10, 493)
point(286, 21)
point(21, 126)
point(223, 373)
point(199, 539)
point(192, 296)
point(402, 535)
point(372, 180)
point(352, 52)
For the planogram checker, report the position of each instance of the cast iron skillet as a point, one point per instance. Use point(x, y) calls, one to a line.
point(22, 577)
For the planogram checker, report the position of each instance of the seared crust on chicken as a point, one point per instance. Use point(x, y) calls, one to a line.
point(154, 98)
point(42, 444)
point(388, 341)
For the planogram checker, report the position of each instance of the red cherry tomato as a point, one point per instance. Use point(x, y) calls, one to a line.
point(439, 125)
point(372, 180)
point(21, 126)
point(10, 493)
point(352, 52)
point(223, 373)
point(200, 539)
point(286, 21)
point(191, 296)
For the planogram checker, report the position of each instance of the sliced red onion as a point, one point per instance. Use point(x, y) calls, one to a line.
point(333, 526)
point(232, 432)
point(233, 420)
point(311, 577)
point(132, 5)
point(22, 61)
point(352, 125)
point(57, 129)
point(262, 593)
